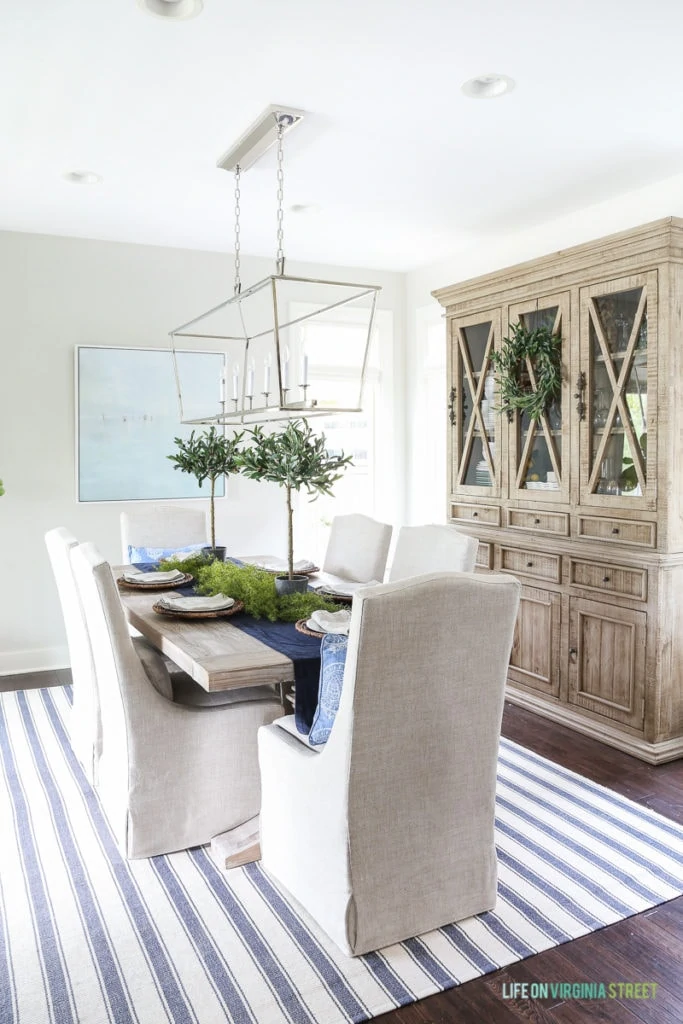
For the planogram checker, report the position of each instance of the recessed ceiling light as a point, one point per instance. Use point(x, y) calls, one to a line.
point(487, 87)
point(304, 208)
point(177, 10)
point(83, 177)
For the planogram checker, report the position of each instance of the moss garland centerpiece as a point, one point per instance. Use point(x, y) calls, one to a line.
point(254, 587)
point(543, 349)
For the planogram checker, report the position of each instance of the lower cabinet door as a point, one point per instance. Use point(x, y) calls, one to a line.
point(535, 656)
point(607, 660)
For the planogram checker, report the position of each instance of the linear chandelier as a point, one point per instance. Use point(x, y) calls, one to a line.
point(276, 335)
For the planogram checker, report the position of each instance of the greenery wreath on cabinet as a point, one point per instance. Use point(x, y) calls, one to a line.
point(543, 349)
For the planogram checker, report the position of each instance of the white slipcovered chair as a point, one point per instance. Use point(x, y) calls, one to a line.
point(85, 725)
point(171, 776)
point(434, 548)
point(162, 526)
point(357, 549)
point(388, 831)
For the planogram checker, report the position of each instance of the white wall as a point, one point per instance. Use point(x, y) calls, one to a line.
point(663, 199)
point(60, 292)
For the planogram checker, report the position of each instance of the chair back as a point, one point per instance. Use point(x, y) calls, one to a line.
point(162, 526)
point(416, 737)
point(127, 699)
point(358, 548)
point(434, 548)
point(85, 729)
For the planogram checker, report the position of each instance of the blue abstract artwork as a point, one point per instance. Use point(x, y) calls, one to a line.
point(127, 417)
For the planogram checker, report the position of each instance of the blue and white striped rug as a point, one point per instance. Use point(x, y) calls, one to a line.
point(87, 937)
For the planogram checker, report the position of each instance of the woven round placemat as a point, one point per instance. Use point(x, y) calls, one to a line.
point(182, 582)
point(300, 624)
point(329, 596)
point(178, 613)
point(297, 572)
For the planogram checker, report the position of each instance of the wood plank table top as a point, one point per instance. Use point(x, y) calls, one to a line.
point(217, 655)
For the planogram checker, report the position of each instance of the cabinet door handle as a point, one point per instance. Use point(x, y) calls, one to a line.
point(451, 405)
point(605, 579)
point(580, 388)
point(475, 515)
point(615, 529)
point(529, 565)
point(536, 522)
point(573, 651)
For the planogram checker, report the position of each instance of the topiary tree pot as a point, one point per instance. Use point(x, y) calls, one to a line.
point(297, 585)
point(215, 554)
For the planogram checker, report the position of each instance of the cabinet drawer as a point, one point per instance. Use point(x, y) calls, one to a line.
point(488, 514)
point(618, 531)
point(539, 522)
point(531, 563)
point(484, 555)
point(611, 579)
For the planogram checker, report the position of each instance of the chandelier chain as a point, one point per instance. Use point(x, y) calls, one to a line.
point(280, 255)
point(238, 283)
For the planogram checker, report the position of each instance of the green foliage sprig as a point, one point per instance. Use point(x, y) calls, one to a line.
point(253, 586)
point(193, 564)
point(544, 350)
point(207, 457)
point(296, 459)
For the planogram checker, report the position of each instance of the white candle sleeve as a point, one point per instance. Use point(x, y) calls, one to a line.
point(305, 370)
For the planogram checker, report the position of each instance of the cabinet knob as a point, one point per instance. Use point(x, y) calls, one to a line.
point(605, 579)
point(615, 529)
point(572, 651)
point(536, 522)
point(474, 515)
point(529, 565)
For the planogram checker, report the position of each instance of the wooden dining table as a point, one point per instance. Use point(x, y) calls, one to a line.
point(216, 654)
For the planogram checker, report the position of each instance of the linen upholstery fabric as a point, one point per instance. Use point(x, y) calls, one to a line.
point(333, 649)
point(390, 839)
point(434, 548)
point(170, 776)
point(163, 526)
point(357, 549)
point(85, 726)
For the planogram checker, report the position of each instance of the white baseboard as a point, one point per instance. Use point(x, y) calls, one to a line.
point(44, 659)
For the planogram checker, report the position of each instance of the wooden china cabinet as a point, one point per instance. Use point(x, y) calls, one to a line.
point(585, 504)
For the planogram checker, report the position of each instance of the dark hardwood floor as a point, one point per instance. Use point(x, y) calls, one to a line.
point(645, 948)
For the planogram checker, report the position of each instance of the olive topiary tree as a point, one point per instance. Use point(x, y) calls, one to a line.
point(295, 458)
point(207, 457)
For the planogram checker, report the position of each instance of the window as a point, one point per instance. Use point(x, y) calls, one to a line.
point(429, 478)
point(366, 486)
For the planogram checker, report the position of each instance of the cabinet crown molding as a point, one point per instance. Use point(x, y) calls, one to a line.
point(652, 243)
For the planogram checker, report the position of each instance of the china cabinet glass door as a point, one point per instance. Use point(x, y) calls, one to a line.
point(474, 421)
point(617, 374)
point(539, 448)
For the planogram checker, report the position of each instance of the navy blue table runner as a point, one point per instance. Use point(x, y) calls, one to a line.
point(302, 650)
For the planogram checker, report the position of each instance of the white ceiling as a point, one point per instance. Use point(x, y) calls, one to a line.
point(401, 165)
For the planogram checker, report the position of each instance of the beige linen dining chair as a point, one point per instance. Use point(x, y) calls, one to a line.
point(391, 833)
point(433, 548)
point(357, 549)
point(162, 526)
point(171, 776)
point(85, 723)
